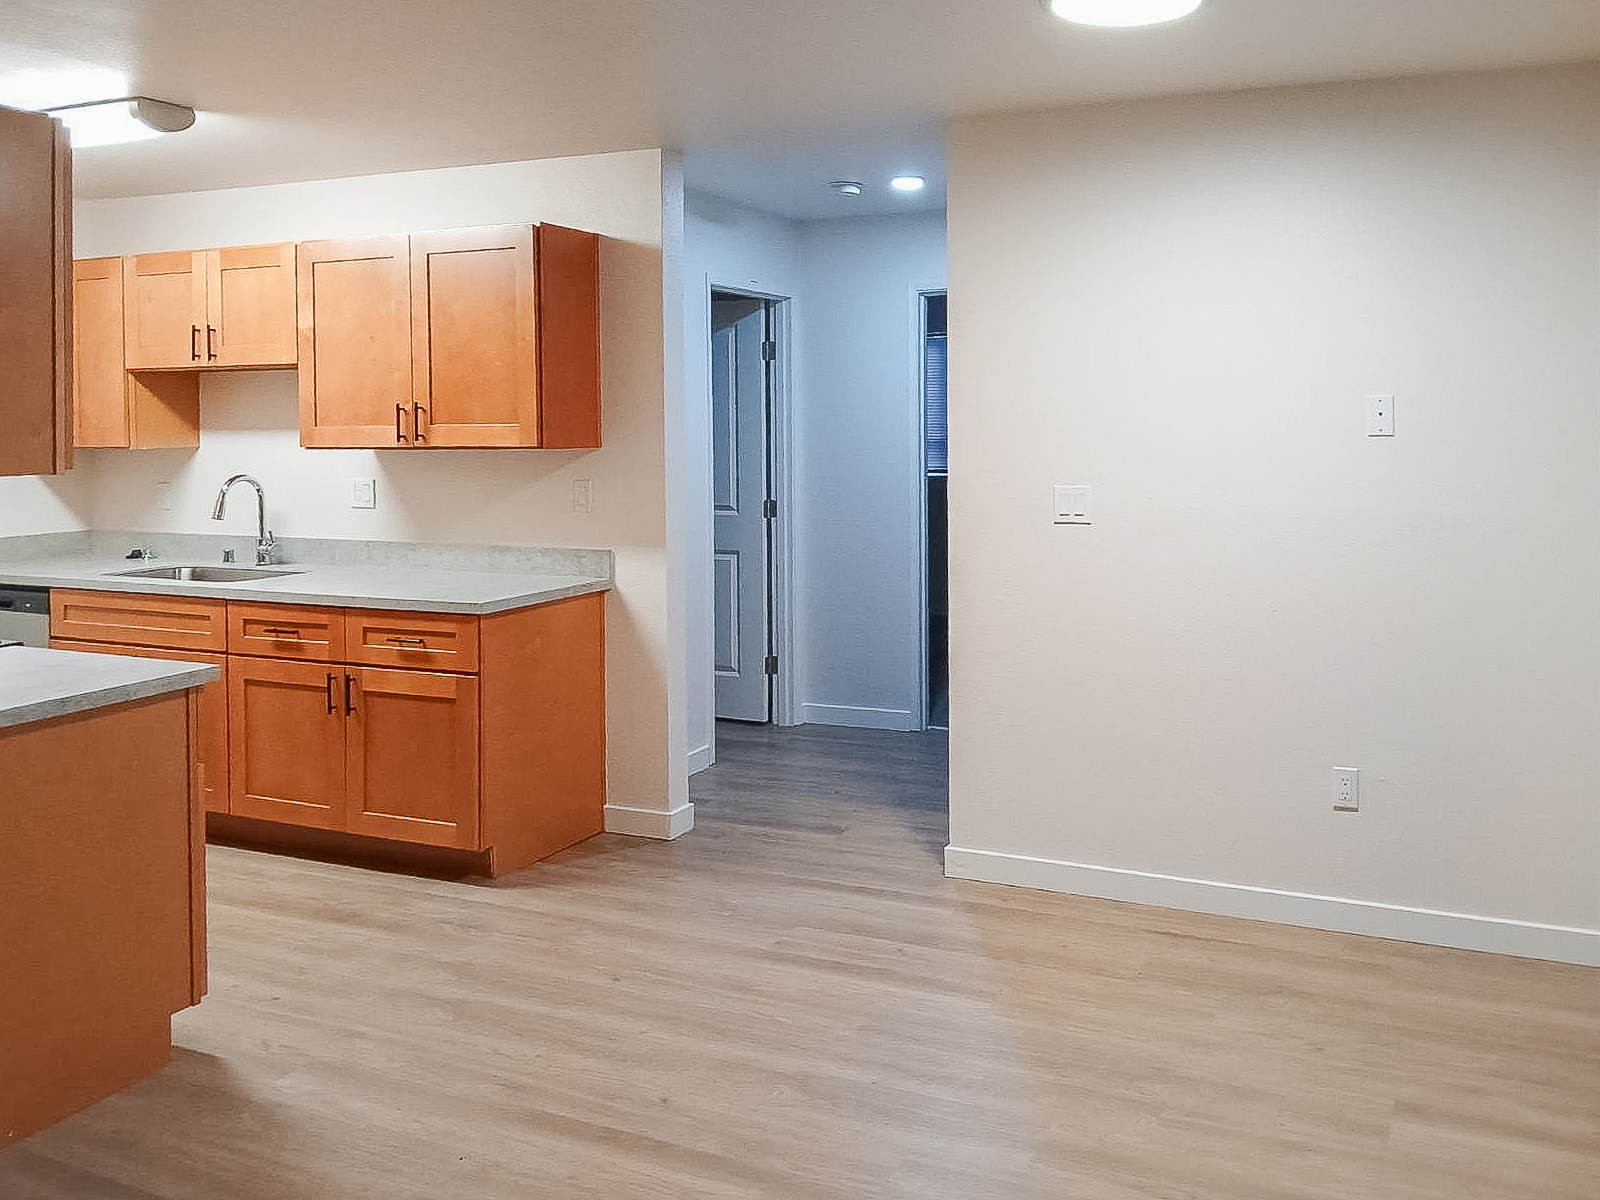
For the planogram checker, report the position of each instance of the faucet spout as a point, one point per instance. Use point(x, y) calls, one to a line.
point(265, 542)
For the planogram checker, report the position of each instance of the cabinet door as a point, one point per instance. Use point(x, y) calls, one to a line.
point(473, 338)
point(164, 310)
point(35, 294)
point(354, 315)
point(412, 756)
point(211, 749)
point(286, 727)
point(99, 384)
point(250, 307)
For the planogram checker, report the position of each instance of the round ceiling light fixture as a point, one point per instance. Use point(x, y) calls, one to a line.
point(908, 183)
point(846, 187)
point(1120, 14)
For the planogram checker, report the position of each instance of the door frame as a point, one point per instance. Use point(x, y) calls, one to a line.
point(780, 486)
point(919, 471)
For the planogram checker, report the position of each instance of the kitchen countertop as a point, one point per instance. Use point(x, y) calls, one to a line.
point(36, 685)
point(417, 579)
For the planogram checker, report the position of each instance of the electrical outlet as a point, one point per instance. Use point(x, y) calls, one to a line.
point(1380, 416)
point(363, 493)
point(164, 496)
point(1347, 789)
point(582, 495)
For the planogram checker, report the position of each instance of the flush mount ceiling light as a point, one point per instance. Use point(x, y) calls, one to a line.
point(1121, 14)
point(130, 119)
point(908, 183)
point(846, 187)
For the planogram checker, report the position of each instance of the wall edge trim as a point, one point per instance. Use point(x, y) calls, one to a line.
point(662, 824)
point(855, 716)
point(1461, 931)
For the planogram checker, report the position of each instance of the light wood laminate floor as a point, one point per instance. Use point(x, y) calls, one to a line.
point(793, 1002)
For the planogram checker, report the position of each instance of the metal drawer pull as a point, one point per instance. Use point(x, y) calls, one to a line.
point(333, 703)
point(406, 641)
point(399, 415)
point(419, 417)
point(349, 694)
point(211, 332)
point(276, 631)
point(194, 343)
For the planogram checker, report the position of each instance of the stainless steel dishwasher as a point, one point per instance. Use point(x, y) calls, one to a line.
point(24, 615)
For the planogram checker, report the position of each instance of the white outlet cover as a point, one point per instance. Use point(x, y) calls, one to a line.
point(363, 493)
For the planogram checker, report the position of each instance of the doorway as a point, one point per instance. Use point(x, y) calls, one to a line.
point(744, 359)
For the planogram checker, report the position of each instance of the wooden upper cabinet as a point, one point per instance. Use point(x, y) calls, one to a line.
point(472, 337)
point(227, 308)
point(35, 294)
point(112, 407)
point(355, 343)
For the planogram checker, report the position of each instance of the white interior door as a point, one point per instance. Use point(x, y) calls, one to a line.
point(738, 495)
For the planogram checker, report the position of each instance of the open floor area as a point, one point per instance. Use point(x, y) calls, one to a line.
point(793, 1002)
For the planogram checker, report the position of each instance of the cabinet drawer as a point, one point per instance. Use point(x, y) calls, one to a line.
point(286, 631)
point(432, 641)
point(176, 622)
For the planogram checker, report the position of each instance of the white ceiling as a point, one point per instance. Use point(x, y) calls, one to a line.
point(768, 101)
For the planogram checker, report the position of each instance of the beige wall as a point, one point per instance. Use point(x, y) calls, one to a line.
point(249, 421)
point(1184, 303)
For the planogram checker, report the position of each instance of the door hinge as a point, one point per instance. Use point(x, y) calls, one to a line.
point(769, 508)
point(769, 351)
point(772, 664)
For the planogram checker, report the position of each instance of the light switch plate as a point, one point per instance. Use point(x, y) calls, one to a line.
point(363, 493)
point(1072, 503)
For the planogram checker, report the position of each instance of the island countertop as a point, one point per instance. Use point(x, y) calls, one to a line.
point(36, 685)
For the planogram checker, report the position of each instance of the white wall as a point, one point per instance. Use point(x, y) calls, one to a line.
point(726, 246)
point(42, 504)
point(857, 453)
point(249, 420)
point(1184, 303)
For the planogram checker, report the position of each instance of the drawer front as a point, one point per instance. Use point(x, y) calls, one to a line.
point(117, 618)
point(430, 641)
point(299, 631)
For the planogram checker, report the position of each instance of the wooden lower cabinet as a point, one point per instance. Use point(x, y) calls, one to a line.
point(478, 735)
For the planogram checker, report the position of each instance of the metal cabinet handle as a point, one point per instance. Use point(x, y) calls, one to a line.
point(399, 417)
point(194, 343)
point(418, 419)
point(406, 641)
point(211, 333)
point(349, 695)
point(333, 703)
point(273, 629)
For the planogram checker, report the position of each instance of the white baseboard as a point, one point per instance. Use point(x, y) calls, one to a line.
point(856, 717)
point(700, 759)
point(1464, 931)
point(650, 822)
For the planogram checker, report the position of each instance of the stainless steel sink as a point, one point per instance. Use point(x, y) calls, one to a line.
point(204, 574)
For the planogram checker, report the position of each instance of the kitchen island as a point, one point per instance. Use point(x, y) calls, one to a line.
point(102, 875)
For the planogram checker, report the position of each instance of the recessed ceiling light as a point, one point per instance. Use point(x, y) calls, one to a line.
point(846, 187)
point(908, 183)
point(1121, 14)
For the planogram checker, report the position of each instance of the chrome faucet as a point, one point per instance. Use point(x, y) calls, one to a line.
point(265, 543)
